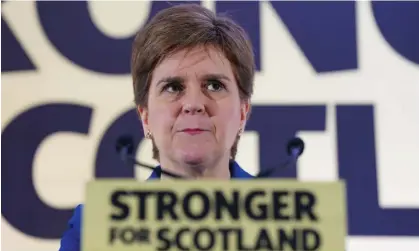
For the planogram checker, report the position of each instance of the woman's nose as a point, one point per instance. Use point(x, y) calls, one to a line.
point(194, 102)
point(193, 109)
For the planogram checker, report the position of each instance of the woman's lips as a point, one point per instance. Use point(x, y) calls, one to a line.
point(193, 131)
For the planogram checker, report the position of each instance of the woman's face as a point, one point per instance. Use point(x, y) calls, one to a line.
point(194, 111)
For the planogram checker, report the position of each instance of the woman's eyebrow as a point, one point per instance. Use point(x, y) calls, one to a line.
point(216, 76)
point(182, 79)
point(170, 79)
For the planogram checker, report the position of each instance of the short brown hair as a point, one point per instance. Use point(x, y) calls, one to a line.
point(185, 26)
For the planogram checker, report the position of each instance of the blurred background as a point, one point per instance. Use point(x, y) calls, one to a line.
point(344, 76)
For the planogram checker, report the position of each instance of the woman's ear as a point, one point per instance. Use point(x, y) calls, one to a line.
point(244, 111)
point(143, 113)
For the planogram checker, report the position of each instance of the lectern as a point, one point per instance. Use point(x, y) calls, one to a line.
point(236, 215)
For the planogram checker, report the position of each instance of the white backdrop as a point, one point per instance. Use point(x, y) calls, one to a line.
point(383, 78)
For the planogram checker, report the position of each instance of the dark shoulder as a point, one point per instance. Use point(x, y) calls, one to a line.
point(71, 237)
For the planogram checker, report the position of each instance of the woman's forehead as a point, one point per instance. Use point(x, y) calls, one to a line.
point(199, 59)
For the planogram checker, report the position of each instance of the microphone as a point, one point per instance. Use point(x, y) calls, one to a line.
point(295, 147)
point(125, 149)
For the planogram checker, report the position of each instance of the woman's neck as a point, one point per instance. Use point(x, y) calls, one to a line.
point(215, 170)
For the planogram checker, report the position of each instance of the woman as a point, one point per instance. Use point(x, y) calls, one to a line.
point(193, 79)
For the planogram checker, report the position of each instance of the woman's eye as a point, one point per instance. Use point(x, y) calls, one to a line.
point(215, 85)
point(173, 87)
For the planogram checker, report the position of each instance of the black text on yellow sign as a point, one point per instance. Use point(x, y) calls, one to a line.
point(235, 215)
point(196, 206)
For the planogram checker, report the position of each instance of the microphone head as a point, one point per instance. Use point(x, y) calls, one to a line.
point(295, 145)
point(125, 141)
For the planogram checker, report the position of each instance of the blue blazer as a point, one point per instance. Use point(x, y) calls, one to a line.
point(71, 238)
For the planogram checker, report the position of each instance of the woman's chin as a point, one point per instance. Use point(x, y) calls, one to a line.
point(193, 157)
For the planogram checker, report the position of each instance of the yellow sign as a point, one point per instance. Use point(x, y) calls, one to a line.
point(236, 215)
